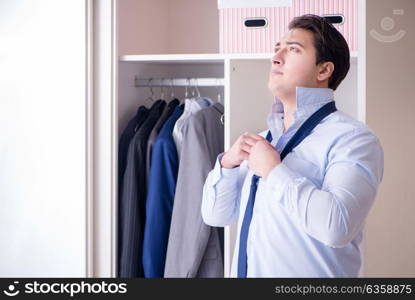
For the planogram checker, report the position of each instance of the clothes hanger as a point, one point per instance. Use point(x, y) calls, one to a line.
point(193, 90)
point(162, 91)
point(197, 88)
point(199, 97)
point(171, 89)
point(186, 94)
point(151, 97)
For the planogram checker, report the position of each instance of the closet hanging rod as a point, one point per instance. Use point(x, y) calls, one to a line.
point(168, 82)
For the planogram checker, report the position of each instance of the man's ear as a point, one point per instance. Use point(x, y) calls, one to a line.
point(325, 69)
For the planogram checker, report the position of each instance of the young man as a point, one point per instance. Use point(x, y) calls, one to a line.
point(309, 210)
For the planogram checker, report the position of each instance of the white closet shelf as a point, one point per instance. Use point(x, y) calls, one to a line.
point(157, 82)
point(174, 58)
point(198, 58)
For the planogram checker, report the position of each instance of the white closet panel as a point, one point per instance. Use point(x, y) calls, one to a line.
point(43, 138)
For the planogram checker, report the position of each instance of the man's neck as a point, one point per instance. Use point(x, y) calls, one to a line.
point(311, 95)
point(289, 108)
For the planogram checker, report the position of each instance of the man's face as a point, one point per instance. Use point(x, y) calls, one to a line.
point(293, 63)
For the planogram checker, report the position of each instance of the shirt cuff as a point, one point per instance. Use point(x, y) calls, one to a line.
point(219, 172)
point(279, 178)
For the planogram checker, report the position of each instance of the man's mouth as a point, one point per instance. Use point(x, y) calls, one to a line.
point(276, 72)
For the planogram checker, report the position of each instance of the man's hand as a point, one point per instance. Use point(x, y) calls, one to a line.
point(261, 155)
point(240, 150)
point(263, 158)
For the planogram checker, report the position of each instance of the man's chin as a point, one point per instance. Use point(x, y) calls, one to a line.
point(282, 92)
point(276, 90)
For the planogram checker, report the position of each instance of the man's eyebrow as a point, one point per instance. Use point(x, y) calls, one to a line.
point(295, 43)
point(290, 43)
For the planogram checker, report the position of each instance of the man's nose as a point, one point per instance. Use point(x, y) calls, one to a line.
point(276, 59)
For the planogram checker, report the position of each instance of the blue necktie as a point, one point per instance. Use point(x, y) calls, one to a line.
point(301, 133)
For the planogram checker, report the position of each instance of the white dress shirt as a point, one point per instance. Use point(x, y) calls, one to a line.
point(310, 211)
point(191, 107)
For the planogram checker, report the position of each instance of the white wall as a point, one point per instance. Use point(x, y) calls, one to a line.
point(168, 26)
point(42, 138)
point(390, 238)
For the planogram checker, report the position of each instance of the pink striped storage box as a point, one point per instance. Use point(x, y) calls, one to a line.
point(235, 37)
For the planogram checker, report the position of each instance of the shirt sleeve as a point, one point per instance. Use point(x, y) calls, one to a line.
point(221, 194)
point(335, 213)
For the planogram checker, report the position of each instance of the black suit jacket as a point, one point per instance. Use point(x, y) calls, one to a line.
point(127, 135)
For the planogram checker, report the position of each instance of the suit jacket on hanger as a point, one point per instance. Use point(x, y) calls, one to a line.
point(132, 205)
point(194, 248)
point(159, 206)
point(133, 125)
point(168, 110)
point(125, 139)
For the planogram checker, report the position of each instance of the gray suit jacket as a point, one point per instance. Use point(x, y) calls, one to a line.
point(194, 248)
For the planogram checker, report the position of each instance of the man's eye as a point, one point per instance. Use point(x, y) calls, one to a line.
point(293, 49)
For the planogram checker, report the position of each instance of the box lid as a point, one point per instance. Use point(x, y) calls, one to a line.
point(253, 3)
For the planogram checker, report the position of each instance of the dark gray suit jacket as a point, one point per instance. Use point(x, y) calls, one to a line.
point(132, 203)
point(168, 110)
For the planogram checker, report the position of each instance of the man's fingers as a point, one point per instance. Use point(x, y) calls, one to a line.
point(245, 147)
point(244, 155)
point(254, 136)
point(249, 140)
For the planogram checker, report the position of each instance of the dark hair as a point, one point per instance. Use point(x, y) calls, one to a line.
point(329, 43)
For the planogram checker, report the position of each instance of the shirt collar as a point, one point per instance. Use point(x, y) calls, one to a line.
point(308, 101)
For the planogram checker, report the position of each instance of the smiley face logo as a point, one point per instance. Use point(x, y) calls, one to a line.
point(387, 24)
point(12, 289)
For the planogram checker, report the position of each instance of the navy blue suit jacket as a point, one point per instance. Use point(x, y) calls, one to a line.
point(160, 197)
